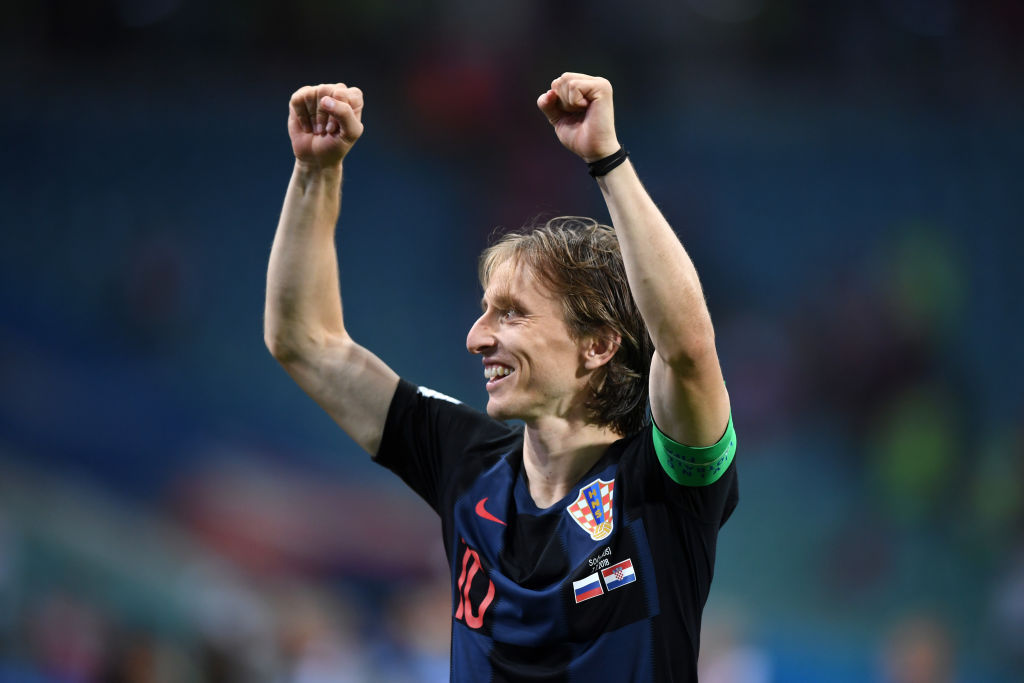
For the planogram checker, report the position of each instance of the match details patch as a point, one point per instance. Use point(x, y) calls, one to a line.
point(618, 575)
point(592, 509)
point(587, 588)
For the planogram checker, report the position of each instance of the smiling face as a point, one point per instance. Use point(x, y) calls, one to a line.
point(532, 366)
point(580, 262)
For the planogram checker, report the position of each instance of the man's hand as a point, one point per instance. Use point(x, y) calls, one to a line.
point(580, 109)
point(324, 121)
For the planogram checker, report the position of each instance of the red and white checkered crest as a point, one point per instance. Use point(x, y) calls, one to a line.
point(592, 509)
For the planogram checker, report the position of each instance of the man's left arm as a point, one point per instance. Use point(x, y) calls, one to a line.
point(689, 400)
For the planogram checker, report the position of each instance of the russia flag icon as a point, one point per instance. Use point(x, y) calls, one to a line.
point(587, 588)
point(619, 575)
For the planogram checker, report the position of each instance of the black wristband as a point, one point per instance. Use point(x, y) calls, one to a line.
point(603, 166)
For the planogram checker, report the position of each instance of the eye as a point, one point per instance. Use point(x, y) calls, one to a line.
point(509, 314)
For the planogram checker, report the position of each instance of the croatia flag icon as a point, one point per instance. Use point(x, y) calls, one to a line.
point(587, 588)
point(619, 575)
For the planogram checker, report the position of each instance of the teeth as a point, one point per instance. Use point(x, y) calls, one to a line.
point(492, 371)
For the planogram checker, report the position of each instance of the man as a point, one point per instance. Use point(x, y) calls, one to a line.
point(581, 545)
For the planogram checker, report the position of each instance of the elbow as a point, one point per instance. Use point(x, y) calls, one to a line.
point(691, 353)
point(284, 344)
point(289, 346)
point(280, 348)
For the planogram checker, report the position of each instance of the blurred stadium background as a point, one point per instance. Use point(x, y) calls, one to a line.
point(847, 177)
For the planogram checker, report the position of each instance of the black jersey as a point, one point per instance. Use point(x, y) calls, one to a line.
point(607, 584)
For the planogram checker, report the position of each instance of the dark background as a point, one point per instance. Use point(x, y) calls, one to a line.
point(846, 177)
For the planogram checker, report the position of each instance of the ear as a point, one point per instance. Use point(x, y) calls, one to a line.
point(598, 350)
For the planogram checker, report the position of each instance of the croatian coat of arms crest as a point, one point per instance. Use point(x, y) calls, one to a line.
point(592, 509)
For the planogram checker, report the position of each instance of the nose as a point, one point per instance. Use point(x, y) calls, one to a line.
point(481, 336)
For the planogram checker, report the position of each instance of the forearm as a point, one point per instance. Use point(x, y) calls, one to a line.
point(303, 304)
point(661, 275)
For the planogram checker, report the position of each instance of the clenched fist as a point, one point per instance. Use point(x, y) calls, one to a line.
point(324, 121)
point(580, 109)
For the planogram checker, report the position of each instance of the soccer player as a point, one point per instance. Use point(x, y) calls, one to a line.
point(582, 544)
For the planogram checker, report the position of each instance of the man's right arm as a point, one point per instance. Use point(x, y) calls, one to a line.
point(303, 326)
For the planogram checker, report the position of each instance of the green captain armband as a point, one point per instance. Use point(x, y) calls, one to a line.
point(691, 466)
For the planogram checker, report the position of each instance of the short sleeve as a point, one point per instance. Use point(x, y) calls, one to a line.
point(427, 434)
point(702, 485)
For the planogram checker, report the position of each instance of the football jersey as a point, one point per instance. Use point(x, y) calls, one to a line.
point(608, 583)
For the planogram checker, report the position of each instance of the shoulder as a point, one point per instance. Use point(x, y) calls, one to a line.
point(423, 413)
point(431, 440)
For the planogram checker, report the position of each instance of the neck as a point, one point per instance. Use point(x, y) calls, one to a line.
point(557, 452)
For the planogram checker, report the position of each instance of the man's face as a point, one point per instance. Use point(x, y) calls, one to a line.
point(532, 366)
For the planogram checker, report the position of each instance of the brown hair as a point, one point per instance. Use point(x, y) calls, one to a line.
point(580, 261)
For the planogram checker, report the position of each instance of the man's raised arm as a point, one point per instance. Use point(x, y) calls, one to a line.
point(303, 325)
point(688, 397)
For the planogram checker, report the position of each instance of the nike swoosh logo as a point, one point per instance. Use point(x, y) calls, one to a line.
point(480, 510)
